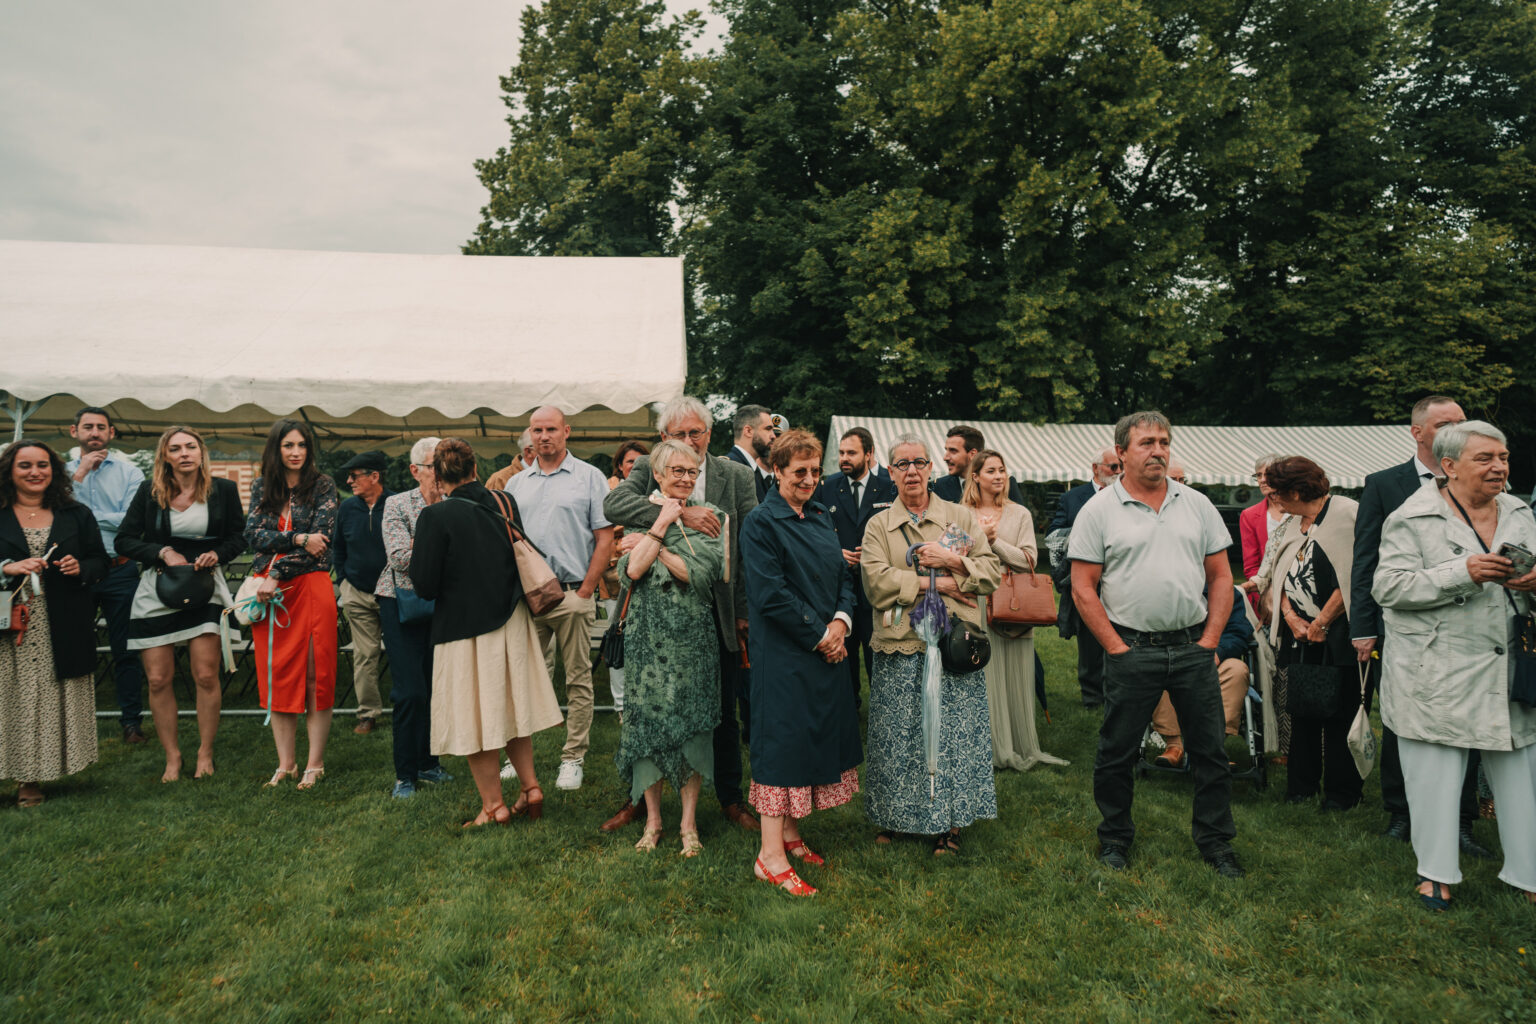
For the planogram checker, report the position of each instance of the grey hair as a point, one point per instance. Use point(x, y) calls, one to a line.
point(1263, 462)
point(1144, 418)
point(1451, 441)
point(663, 455)
point(421, 451)
point(902, 440)
point(682, 407)
point(525, 440)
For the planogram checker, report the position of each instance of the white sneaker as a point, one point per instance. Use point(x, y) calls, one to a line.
point(508, 772)
point(570, 775)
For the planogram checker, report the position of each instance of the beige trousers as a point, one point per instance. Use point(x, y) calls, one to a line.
point(1233, 674)
point(570, 623)
point(362, 611)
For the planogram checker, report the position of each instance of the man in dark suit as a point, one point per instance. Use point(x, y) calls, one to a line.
point(960, 447)
point(727, 485)
point(852, 496)
point(1090, 656)
point(754, 432)
point(1384, 491)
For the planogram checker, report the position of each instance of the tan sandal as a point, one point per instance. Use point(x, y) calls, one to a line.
point(311, 776)
point(490, 816)
point(648, 840)
point(278, 776)
point(691, 845)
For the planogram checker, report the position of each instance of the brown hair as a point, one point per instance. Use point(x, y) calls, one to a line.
point(164, 486)
point(1297, 476)
point(274, 481)
point(625, 449)
point(60, 491)
point(972, 494)
point(454, 461)
point(792, 444)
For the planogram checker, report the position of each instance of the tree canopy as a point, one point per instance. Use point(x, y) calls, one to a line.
point(1240, 211)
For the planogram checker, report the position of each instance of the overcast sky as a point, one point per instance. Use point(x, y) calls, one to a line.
point(338, 124)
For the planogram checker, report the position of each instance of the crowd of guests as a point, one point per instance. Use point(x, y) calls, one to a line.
point(749, 591)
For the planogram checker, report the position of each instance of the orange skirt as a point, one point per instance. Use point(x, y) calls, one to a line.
point(307, 622)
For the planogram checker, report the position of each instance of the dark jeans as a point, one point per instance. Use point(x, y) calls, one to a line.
point(1090, 667)
point(410, 670)
point(1133, 684)
point(115, 595)
point(728, 732)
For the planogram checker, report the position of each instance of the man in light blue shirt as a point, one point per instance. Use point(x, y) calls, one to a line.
point(106, 484)
point(560, 499)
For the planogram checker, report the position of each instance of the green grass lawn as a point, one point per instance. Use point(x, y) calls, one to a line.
point(126, 899)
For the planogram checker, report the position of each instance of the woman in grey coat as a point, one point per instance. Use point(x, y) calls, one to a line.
point(1448, 601)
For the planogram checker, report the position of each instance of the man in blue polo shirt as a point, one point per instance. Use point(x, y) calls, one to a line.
point(1144, 551)
point(560, 499)
point(105, 484)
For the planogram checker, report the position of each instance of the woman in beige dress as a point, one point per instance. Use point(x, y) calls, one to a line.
point(490, 689)
point(1010, 529)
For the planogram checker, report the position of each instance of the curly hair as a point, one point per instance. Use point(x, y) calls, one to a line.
point(1297, 477)
point(793, 444)
point(60, 491)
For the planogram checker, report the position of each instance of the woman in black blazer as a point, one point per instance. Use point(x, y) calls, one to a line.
point(181, 516)
point(490, 689)
point(48, 680)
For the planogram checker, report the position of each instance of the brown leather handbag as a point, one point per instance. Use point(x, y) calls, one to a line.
point(1021, 601)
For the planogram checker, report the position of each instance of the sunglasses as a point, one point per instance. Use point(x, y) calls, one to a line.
point(814, 472)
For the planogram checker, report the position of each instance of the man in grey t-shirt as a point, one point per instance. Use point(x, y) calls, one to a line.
point(1144, 552)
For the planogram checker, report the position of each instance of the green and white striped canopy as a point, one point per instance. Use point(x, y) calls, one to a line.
point(1220, 456)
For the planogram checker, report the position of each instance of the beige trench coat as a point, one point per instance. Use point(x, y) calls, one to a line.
point(1446, 664)
point(891, 585)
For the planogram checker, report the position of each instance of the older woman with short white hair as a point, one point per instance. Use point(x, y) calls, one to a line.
point(406, 620)
point(900, 798)
point(1450, 602)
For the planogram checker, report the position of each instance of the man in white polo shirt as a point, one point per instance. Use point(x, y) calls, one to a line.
point(560, 499)
point(1144, 551)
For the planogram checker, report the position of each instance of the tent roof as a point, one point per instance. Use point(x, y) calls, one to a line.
point(1062, 452)
point(259, 332)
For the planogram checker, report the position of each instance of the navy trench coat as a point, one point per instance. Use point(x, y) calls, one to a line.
point(805, 729)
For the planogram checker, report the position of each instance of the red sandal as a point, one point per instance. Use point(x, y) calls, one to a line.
point(797, 848)
point(786, 880)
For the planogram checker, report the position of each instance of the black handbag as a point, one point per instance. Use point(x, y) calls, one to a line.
point(411, 606)
point(1313, 690)
point(1522, 688)
point(183, 586)
point(964, 649)
point(613, 639)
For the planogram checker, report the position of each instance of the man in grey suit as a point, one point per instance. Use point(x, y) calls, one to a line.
point(729, 486)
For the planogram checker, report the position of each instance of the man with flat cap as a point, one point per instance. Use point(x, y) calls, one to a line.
point(358, 554)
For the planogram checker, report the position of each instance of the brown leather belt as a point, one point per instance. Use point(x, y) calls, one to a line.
point(120, 560)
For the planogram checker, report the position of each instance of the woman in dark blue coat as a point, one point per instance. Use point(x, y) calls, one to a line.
point(805, 729)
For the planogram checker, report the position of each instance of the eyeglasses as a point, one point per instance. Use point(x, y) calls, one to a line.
point(422, 465)
point(906, 464)
point(813, 471)
point(1113, 467)
point(679, 473)
point(685, 435)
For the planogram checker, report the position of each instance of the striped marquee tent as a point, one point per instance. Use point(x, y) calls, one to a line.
point(1219, 456)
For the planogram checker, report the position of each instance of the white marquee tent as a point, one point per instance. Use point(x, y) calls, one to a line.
point(1211, 455)
point(374, 349)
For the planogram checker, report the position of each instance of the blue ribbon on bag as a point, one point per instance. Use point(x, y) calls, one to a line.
point(256, 611)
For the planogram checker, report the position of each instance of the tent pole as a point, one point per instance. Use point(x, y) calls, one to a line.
point(19, 412)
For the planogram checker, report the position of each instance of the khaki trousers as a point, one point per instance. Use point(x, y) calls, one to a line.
point(362, 611)
point(1233, 674)
point(570, 623)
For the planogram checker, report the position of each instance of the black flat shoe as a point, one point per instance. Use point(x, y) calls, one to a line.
point(1226, 865)
point(1113, 856)
point(1471, 847)
point(1398, 828)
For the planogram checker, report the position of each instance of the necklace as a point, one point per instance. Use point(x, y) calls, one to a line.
point(35, 511)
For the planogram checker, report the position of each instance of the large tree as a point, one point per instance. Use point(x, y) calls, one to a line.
point(601, 109)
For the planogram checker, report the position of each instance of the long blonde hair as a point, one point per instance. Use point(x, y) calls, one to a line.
point(972, 494)
point(164, 486)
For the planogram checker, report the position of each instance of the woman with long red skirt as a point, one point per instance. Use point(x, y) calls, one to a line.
point(292, 521)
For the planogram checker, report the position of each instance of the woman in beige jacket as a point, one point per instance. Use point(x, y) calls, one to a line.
point(1448, 604)
point(896, 777)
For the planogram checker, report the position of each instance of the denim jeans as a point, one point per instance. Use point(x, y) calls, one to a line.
point(410, 671)
point(115, 595)
point(1133, 684)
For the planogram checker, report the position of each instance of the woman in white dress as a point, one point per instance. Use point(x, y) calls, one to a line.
point(182, 515)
